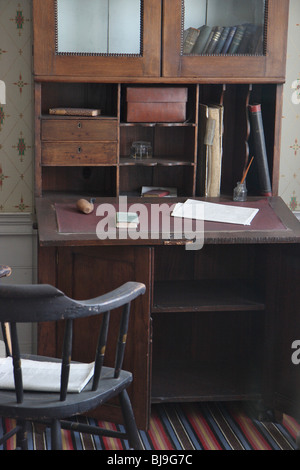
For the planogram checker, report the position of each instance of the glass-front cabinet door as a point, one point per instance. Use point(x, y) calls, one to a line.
point(100, 38)
point(224, 38)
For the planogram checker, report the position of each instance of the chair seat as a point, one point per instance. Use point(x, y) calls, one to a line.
point(33, 407)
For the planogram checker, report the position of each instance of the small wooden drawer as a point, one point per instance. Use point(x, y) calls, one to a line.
point(151, 104)
point(79, 153)
point(79, 129)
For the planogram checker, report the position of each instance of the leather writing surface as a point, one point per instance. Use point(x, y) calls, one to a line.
point(69, 220)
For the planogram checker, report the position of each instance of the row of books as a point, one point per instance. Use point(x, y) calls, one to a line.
point(246, 38)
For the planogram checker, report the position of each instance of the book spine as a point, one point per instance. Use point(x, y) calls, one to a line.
point(202, 151)
point(244, 45)
point(222, 40)
point(202, 39)
point(237, 39)
point(190, 40)
point(209, 40)
point(228, 40)
point(214, 40)
point(260, 153)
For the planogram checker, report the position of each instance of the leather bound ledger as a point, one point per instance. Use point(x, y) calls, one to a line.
point(210, 150)
point(259, 149)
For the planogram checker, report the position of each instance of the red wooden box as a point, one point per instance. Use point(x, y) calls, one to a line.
point(156, 104)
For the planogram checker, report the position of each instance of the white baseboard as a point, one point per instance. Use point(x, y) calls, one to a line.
point(15, 223)
point(18, 249)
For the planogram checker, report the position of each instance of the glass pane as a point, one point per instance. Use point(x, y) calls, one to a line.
point(98, 26)
point(226, 27)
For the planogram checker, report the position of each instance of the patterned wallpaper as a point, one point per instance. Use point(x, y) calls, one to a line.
point(16, 117)
point(289, 183)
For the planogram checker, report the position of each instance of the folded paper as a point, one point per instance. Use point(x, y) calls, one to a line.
point(212, 212)
point(43, 376)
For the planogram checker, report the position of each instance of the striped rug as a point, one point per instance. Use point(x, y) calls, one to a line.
point(188, 426)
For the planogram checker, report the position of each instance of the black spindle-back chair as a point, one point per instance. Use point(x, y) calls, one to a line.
point(40, 303)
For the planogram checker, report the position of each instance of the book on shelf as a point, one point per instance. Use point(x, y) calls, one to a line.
point(158, 191)
point(221, 42)
point(228, 40)
point(246, 39)
point(214, 40)
point(237, 38)
point(75, 111)
point(212, 32)
point(189, 39)
point(127, 219)
point(210, 150)
point(259, 149)
point(202, 39)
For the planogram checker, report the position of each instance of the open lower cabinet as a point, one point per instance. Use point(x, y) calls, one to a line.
point(208, 319)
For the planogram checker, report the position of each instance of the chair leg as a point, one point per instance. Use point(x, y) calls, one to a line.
point(21, 441)
point(9, 434)
point(56, 442)
point(129, 421)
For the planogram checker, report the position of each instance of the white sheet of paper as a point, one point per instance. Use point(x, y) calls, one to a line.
point(45, 376)
point(209, 211)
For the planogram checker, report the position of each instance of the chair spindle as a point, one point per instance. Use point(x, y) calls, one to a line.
point(16, 362)
point(122, 339)
point(100, 353)
point(66, 359)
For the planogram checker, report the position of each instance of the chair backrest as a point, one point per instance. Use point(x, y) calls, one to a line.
point(44, 303)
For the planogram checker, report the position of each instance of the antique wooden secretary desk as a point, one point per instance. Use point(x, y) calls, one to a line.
point(216, 323)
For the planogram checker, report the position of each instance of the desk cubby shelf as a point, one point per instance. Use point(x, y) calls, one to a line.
point(203, 379)
point(206, 295)
point(153, 162)
point(175, 146)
